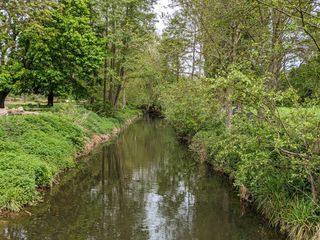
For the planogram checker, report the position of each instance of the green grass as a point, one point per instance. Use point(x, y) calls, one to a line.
point(35, 148)
point(285, 111)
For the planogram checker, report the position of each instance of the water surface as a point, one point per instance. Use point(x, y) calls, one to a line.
point(145, 185)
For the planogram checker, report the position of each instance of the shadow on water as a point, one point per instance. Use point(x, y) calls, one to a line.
point(145, 185)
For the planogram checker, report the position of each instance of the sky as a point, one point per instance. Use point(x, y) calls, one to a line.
point(162, 9)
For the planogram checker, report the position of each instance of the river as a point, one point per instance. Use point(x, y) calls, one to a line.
point(143, 185)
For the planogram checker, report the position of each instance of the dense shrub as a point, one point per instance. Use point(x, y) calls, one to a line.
point(189, 105)
point(102, 109)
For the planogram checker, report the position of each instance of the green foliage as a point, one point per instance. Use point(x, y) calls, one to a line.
point(11, 25)
point(305, 79)
point(174, 48)
point(126, 28)
point(102, 109)
point(35, 148)
point(273, 151)
point(62, 52)
point(141, 89)
point(189, 105)
point(263, 132)
point(123, 114)
point(9, 75)
point(272, 162)
point(20, 179)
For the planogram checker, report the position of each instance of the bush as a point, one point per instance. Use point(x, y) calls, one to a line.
point(189, 106)
point(102, 109)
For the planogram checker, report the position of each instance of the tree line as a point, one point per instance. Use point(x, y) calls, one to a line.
point(79, 48)
point(278, 40)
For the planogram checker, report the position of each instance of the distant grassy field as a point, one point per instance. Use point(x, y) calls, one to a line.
point(284, 111)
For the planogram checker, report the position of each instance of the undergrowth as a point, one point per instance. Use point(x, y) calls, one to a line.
point(279, 184)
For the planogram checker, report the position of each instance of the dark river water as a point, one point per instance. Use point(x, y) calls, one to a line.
point(144, 185)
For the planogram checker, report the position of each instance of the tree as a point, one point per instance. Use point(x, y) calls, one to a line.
point(124, 26)
point(261, 37)
point(174, 46)
point(143, 79)
point(305, 79)
point(62, 53)
point(13, 17)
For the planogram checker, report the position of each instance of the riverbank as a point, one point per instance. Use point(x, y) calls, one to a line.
point(271, 152)
point(34, 149)
point(261, 183)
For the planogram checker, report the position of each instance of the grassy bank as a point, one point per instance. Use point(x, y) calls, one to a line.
point(273, 158)
point(273, 191)
point(278, 184)
point(35, 148)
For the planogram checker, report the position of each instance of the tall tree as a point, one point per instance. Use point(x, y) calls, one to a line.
point(124, 26)
point(174, 47)
point(14, 16)
point(62, 53)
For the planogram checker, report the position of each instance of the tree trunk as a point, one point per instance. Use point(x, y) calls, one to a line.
point(116, 98)
point(50, 99)
point(113, 58)
point(105, 81)
point(178, 69)
point(314, 189)
point(277, 24)
point(229, 116)
point(122, 68)
point(229, 113)
point(3, 96)
point(194, 46)
point(124, 101)
point(106, 61)
point(120, 86)
point(112, 66)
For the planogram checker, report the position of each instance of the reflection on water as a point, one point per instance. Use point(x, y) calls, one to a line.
point(143, 186)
